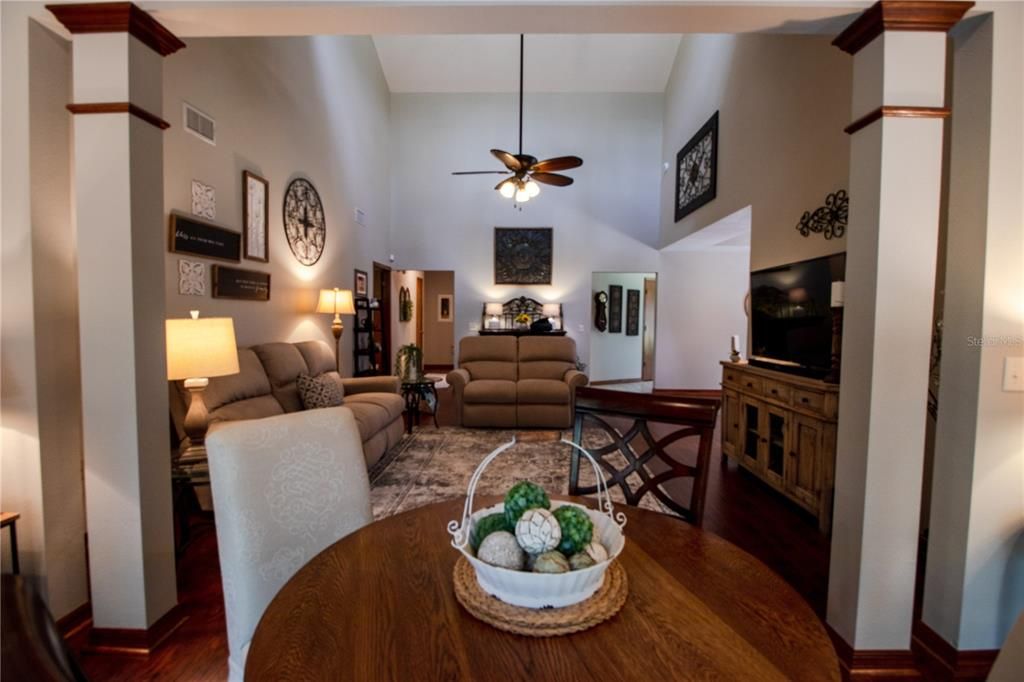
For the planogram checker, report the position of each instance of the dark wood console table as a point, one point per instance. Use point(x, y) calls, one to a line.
point(520, 332)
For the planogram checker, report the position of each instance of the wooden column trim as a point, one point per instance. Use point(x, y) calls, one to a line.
point(900, 15)
point(136, 642)
point(872, 664)
point(119, 108)
point(942, 661)
point(896, 112)
point(117, 17)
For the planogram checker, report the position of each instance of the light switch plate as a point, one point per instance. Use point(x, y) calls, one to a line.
point(1013, 374)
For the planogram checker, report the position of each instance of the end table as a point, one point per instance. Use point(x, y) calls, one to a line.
point(415, 390)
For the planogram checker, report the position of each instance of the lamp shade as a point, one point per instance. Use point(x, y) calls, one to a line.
point(493, 308)
point(201, 348)
point(552, 310)
point(336, 302)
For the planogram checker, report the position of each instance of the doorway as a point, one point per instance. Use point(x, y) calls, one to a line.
point(429, 318)
point(622, 352)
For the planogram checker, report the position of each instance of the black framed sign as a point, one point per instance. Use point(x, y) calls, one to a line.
point(244, 285)
point(200, 238)
point(614, 309)
point(522, 255)
point(632, 312)
point(697, 169)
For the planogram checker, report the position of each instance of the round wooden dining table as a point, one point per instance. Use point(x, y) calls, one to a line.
point(380, 605)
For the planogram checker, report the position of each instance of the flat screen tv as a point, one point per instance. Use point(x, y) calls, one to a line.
point(791, 315)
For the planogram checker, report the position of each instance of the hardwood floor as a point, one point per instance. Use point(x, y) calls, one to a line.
point(739, 508)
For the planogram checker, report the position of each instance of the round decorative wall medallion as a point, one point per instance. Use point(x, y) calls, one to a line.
point(304, 223)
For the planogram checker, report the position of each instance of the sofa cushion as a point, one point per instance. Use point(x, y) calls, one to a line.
point(542, 392)
point(546, 357)
point(488, 357)
point(374, 411)
point(319, 357)
point(319, 392)
point(283, 363)
point(490, 391)
point(250, 408)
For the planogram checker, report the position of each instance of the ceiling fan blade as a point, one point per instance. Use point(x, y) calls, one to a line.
point(510, 161)
point(552, 179)
point(557, 164)
point(481, 172)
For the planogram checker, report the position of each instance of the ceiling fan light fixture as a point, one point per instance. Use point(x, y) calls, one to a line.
point(508, 189)
point(532, 188)
point(522, 195)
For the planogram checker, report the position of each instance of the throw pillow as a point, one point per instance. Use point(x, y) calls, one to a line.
point(322, 391)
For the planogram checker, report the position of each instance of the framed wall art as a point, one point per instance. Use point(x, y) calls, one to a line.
point(199, 238)
point(244, 285)
point(697, 169)
point(361, 283)
point(191, 277)
point(305, 226)
point(255, 207)
point(444, 308)
point(522, 255)
point(632, 312)
point(614, 309)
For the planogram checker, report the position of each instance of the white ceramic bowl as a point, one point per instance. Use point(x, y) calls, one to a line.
point(540, 590)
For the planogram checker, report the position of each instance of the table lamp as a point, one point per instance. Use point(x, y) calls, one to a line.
point(197, 349)
point(336, 302)
point(553, 311)
point(493, 311)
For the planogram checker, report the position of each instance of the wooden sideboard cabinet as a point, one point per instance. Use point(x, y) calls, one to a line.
point(782, 428)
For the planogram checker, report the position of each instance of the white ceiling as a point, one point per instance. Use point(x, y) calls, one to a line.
point(554, 63)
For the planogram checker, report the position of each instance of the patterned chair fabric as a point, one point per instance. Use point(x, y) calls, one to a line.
point(285, 488)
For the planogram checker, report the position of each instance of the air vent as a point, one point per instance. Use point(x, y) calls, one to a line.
point(199, 124)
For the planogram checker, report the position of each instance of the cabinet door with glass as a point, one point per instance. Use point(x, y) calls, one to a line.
point(751, 441)
point(730, 423)
point(776, 432)
point(803, 470)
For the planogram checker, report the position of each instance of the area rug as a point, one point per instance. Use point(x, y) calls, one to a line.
point(432, 465)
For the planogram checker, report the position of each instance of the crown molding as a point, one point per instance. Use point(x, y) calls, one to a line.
point(900, 15)
point(117, 17)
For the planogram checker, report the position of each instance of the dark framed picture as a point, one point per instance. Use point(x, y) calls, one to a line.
point(697, 169)
point(200, 238)
point(362, 283)
point(614, 309)
point(244, 285)
point(255, 209)
point(522, 255)
point(632, 312)
point(444, 308)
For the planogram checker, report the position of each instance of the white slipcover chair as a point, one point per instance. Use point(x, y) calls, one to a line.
point(284, 488)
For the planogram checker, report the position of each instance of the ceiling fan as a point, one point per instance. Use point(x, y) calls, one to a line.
point(526, 170)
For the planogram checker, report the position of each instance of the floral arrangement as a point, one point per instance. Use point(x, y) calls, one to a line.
point(522, 318)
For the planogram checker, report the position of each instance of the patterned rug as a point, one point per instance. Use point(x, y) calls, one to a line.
point(436, 464)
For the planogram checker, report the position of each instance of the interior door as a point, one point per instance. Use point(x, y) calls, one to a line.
point(650, 312)
point(419, 312)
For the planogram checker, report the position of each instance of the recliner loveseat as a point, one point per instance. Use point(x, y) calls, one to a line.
point(508, 381)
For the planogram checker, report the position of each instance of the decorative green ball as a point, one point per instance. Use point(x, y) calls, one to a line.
point(577, 529)
point(522, 496)
point(486, 526)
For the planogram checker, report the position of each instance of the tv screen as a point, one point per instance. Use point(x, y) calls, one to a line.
point(791, 315)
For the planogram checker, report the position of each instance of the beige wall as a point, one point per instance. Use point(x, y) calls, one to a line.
point(403, 333)
point(438, 337)
point(783, 102)
point(41, 408)
point(285, 107)
point(618, 356)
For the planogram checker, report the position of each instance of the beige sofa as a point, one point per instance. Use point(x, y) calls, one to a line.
point(505, 381)
point(265, 386)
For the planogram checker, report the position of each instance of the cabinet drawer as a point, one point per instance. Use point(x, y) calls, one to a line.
point(732, 376)
point(777, 391)
point(750, 384)
point(811, 400)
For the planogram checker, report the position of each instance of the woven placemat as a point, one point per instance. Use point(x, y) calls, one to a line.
point(604, 604)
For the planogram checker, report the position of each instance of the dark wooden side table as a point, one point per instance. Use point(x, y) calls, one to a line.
point(414, 391)
point(10, 520)
point(379, 605)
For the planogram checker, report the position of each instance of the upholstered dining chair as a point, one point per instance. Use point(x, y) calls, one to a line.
point(284, 488)
point(646, 442)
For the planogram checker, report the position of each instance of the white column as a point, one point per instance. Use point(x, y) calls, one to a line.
point(121, 241)
point(895, 178)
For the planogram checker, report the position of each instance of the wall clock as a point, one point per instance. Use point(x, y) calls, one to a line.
point(304, 224)
point(697, 169)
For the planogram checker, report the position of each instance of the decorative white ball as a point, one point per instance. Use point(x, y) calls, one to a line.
point(597, 552)
point(501, 549)
point(538, 531)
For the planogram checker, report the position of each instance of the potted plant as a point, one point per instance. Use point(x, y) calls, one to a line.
point(409, 362)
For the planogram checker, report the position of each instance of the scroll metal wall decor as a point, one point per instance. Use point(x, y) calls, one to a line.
point(614, 309)
point(828, 220)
